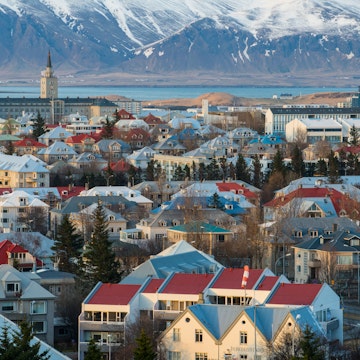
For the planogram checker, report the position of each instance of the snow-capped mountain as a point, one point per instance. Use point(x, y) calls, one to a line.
point(182, 38)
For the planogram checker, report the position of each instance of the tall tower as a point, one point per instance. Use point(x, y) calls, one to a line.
point(48, 82)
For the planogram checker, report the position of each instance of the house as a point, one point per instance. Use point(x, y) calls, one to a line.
point(22, 297)
point(137, 138)
point(27, 146)
point(23, 171)
point(176, 291)
point(141, 158)
point(57, 134)
point(81, 143)
point(332, 256)
point(58, 150)
point(21, 210)
point(205, 331)
point(18, 257)
point(88, 162)
point(111, 150)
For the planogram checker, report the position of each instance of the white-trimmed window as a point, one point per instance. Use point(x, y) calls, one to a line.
point(7, 306)
point(243, 337)
point(176, 334)
point(38, 307)
point(39, 327)
point(198, 335)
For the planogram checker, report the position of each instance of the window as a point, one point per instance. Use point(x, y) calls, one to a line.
point(174, 355)
point(201, 356)
point(38, 307)
point(12, 287)
point(243, 337)
point(198, 335)
point(176, 334)
point(7, 306)
point(39, 327)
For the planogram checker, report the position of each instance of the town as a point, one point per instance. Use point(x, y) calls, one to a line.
point(206, 233)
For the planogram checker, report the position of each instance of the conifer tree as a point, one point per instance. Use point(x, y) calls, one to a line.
point(99, 258)
point(213, 170)
point(67, 246)
point(297, 162)
point(38, 126)
point(93, 351)
point(354, 136)
point(241, 169)
point(18, 345)
point(257, 176)
point(108, 129)
point(310, 346)
point(334, 165)
point(144, 349)
point(150, 171)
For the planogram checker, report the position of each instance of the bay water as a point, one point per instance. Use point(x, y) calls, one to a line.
point(143, 93)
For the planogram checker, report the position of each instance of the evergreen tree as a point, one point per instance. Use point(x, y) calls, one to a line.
point(67, 246)
point(321, 168)
point(257, 176)
point(334, 165)
point(99, 258)
point(232, 171)
point(223, 167)
point(354, 136)
point(7, 349)
point(242, 170)
point(297, 162)
point(202, 172)
point(213, 170)
point(187, 172)
point(194, 173)
point(93, 351)
point(21, 348)
point(311, 346)
point(108, 129)
point(179, 174)
point(38, 126)
point(278, 165)
point(215, 201)
point(144, 349)
point(150, 171)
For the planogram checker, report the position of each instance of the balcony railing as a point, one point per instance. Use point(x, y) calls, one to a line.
point(314, 263)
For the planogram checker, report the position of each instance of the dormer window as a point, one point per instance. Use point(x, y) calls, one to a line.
point(313, 233)
point(13, 287)
point(298, 234)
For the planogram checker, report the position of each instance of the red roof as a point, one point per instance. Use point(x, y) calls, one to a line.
point(152, 120)
point(236, 188)
point(78, 139)
point(267, 283)
point(305, 193)
point(187, 283)
point(114, 294)
point(6, 246)
point(4, 191)
point(231, 278)
point(295, 294)
point(153, 286)
point(123, 114)
point(67, 192)
point(119, 166)
point(29, 142)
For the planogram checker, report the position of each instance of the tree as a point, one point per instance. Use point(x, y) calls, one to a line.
point(310, 346)
point(256, 178)
point(215, 201)
point(242, 170)
point(179, 174)
point(38, 126)
point(213, 170)
point(278, 165)
point(334, 165)
point(144, 349)
point(297, 162)
point(354, 138)
point(108, 129)
point(321, 168)
point(67, 246)
point(99, 258)
point(150, 171)
point(19, 345)
point(93, 351)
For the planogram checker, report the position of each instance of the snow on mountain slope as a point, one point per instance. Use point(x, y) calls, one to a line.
point(164, 17)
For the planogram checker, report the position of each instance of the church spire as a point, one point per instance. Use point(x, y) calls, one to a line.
point(49, 60)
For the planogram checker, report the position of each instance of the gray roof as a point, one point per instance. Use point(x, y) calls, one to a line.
point(314, 110)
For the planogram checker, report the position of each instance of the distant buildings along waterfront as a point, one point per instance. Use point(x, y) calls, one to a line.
point(53, 109)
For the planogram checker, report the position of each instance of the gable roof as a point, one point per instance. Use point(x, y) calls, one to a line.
point(113, 294)
point(231, 278)
point(187, 283)
point(295, 294)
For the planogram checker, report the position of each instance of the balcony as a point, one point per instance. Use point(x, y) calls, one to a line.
point(168, 315)
point(100, 325)
point(31, 179)
point(332, 324)
point(314, 263)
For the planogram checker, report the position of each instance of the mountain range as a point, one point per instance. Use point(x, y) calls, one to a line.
point(187, 42)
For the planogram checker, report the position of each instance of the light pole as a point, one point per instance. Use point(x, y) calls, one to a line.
point(298, 317)
point(109, 344)
point(283, 264)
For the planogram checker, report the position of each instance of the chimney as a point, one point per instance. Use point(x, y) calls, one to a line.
point(335, 227)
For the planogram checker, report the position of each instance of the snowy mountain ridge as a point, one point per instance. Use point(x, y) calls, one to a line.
point(152, 35)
